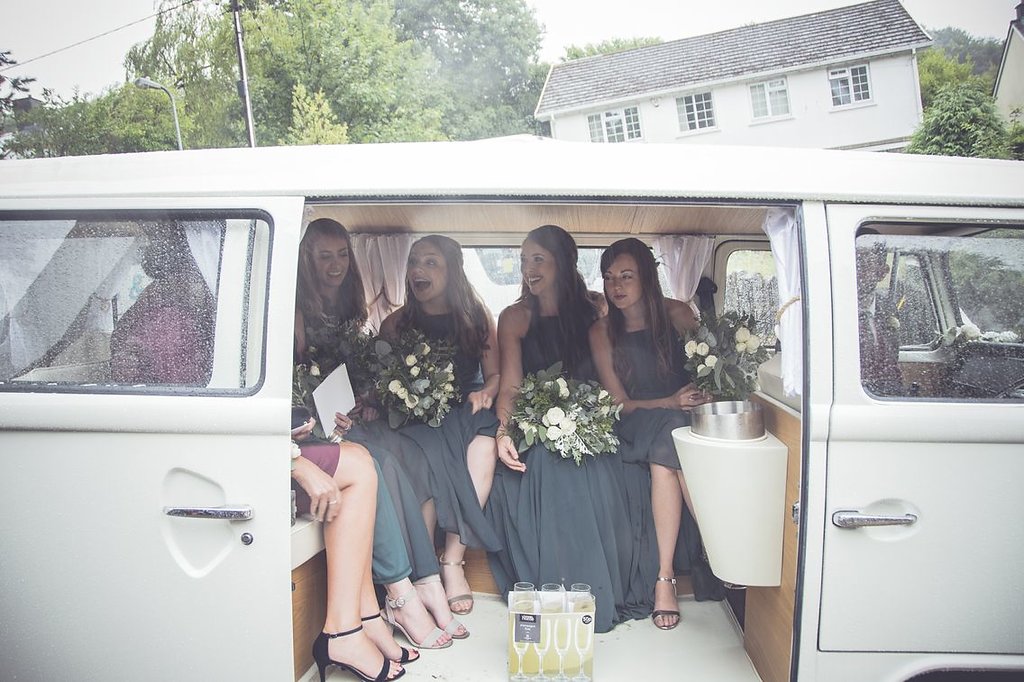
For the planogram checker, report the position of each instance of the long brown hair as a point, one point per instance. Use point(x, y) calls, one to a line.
point(576, 310)
point(472, 319)
point(653, 301)
point(351, 304)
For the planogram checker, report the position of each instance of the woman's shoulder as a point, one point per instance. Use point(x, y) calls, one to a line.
point(515, 317)
point(681, 314)
point(389, 327)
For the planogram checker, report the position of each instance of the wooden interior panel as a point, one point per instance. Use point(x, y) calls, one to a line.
point(768, 627)
point(510, 217)
point(309, 609)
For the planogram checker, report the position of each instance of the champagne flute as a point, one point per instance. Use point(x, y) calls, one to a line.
point(543, 644)
point(563, 643)
point(523, 601)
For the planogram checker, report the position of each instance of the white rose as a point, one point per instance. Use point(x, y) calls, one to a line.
point(426, 349)
point(602, 394)
point(742, 334)
point(449, 368)
point(554, 433)
point(568, 427)
point(296, 450)
point(753, 343)
point(690, 348)
point(395, 386)
point(449, 387)
point(711, 361)
point(703, 348)
point(700, 367)
point(410, 360)
point(740, 347)
point(415, 371)
point(314, 370)
point(554, 416)
point(402, 393)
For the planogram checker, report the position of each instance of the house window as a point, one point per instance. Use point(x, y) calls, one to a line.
point(849, 85)
point(615, 126)
point(770, 98)
point(695, 111)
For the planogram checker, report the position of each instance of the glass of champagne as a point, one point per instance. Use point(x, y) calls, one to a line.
point(543, 643)
point(563, 642)
point(523, 601)
point(581, 598)
point(586, 634)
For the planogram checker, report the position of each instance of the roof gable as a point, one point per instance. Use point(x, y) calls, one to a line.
point(869, 28)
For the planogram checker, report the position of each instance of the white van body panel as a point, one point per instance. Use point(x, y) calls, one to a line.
point(96, 573)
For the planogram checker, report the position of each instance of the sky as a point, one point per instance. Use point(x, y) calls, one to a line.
point(31, 29)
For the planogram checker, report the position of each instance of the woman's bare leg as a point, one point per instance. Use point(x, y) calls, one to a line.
point(667, 501)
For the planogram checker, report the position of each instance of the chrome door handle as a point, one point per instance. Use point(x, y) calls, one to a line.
point(854, 519)
point(227, 512)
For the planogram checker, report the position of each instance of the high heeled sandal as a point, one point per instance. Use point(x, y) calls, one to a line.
point(453, 625)
point(666, 612)
point(430, 641)
point(407, 655)
point(323, 659)
point(460, 597)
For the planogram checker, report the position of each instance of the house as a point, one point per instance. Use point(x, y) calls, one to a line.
point(843, 79)
point(1009, 87)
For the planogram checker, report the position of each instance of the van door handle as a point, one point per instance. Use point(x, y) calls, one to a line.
point(854, 519)
point(227, 512)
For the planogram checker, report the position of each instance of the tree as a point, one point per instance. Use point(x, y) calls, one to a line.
point(983, 54)
point(486, 55)
point(10, 87)
point(962, 121)
point(937, 69)
point(608, 47)
point(313, 122)
point(121, 120)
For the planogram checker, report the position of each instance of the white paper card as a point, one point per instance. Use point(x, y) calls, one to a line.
point(334, 394)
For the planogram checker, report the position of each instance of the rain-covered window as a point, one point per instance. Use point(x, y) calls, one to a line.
point(942, 316)
point(131, 302)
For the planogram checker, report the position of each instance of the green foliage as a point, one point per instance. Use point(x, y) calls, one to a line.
point(936, 69)
point(121, 120)
point(983, 54)
point(988, 286)
point(608, 47)
point(1016, 135)
point(313, 122)
point(962, 121)
point(10, 87)
point(416, 380)
point(487, 77)
point(723, 354)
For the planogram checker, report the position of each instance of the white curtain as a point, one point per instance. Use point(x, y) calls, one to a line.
point(685, 258)
point(382, 262)
point(204, 238)
point(781, 228)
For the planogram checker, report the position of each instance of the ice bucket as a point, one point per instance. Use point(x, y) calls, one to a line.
point(728, 420)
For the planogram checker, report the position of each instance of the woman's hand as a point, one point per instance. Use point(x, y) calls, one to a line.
point(364, 410)
point(689, 397)
point(323, 491)
point(342, 423)
point(479, 400)
point(302, 432)
point(508, 454)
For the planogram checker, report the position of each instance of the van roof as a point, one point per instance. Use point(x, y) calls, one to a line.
point(525, 168)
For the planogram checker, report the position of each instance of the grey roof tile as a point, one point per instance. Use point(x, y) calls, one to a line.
point(874, 27)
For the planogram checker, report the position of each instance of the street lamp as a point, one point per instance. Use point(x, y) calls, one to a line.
point(146, 83)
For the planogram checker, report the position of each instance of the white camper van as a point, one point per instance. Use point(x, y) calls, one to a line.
point(900, 525)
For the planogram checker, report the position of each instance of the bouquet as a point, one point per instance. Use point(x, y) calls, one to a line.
point(571, 418)
point(328, 348)
point(723, 355)
point(416, 378)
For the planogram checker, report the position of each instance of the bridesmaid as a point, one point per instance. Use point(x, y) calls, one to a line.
point(639, 358)
point(459, 454)
point(330, 294)
point(559, 522)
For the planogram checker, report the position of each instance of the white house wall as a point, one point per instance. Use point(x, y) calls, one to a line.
point(892, 114)
point(1010, 89)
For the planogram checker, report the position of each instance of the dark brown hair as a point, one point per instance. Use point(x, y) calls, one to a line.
point(351, 303)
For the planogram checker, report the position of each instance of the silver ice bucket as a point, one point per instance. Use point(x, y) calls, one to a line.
point(728, 420)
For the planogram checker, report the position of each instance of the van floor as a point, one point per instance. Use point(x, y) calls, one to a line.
point(707, 645)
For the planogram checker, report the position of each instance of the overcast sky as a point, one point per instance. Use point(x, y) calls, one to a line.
point(33, 28)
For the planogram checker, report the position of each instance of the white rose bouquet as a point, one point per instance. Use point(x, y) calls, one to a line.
point(570, 418)
point(416, 379)
point(723, 355)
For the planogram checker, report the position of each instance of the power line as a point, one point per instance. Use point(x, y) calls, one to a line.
point(101, 35)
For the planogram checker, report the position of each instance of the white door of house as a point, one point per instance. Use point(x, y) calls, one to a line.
point(924, 527)
point(144, 486)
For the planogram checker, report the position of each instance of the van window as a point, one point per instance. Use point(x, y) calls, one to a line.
point(752, 287)
point(942, 316)
point(132, 302)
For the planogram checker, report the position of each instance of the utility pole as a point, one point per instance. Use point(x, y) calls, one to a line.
point(243, 82)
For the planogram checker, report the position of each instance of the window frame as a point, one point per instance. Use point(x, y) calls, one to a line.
point(766, 88)
point(626, 119)
point(683, 113)
point(845, 75)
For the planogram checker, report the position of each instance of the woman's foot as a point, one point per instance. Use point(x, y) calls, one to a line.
point(409, 614)
point(379, 633)
point(456, 587)
point(357, 651)
point(666, 605)
point(433, 597)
